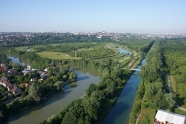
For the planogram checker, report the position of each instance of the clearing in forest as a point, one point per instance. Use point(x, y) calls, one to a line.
point(56, 55)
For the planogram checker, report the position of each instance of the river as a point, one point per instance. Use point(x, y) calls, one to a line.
point(119, 113)
point(16, 60)
point(57, 100)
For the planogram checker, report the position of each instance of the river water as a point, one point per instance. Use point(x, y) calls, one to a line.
point(124, 51)
point(57, 100)
point(16, 60)
point(119, 113)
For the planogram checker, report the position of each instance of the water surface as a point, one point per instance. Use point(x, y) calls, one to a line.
point(57, 100)
point(119, 113)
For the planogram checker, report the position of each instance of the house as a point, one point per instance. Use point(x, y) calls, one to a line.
point(28, 67)
point(165, 117)
point(26, 71)
point(2, 79)
point(2, 69)
point(26, 85)
point(12, 71)
point(39, 72)
point(33, 79)
point(6, 83)
point(12, 88)
point(16, 90)
point(3, 65)
point(46, 69)
point(44, 75)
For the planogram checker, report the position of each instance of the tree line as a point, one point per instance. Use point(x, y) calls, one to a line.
point(152, 92)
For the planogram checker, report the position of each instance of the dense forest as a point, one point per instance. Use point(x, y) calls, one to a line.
point(175, 58)
point(167, 57)
point(138, 45)
point(95, 104)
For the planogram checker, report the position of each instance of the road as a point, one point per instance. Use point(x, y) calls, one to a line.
point(170, 91)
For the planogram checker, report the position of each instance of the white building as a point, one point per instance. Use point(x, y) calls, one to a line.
point(165, 117)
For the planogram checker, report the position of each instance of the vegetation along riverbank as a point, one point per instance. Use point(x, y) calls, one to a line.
point(98, 99)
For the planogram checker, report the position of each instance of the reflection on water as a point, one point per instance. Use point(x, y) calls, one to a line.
point(85, 70)
point(73, 84)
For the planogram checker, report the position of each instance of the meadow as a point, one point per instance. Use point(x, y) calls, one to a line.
point(55, 55)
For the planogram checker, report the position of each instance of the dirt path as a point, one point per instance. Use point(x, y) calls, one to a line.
point(170, 91)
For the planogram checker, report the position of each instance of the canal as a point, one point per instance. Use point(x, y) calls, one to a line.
point(119, 113)
point(58, 100)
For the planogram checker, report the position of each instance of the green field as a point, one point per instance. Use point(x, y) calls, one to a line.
point(23, 49)
point(55, 55)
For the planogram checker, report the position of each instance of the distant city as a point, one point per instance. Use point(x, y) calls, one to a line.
point(24, 37)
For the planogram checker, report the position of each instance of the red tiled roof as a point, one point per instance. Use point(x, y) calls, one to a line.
point(2, 69)
point(26, 84)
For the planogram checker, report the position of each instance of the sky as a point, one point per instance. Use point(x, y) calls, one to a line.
point(127, 16)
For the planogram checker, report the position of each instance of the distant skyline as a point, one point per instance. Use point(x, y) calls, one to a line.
point(127, 16)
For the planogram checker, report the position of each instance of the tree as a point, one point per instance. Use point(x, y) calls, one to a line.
point(170, 97)
point(35, 92)
point(72, 76)
point(59, 85)
point(92, 87)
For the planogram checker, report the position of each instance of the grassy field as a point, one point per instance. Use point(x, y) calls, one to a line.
point(55, 55)
point(23, 48)
point(147, 116)
point(176, 110)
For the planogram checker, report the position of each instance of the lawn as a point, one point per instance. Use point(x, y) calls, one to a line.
point(55, 55)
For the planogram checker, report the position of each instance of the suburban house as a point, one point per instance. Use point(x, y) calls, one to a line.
point(44, 75)
point(26, 85)
point(12, 71)
point(16, 90)
point(2, 79)
point(2, 69)
point(33, 79)
point(26, 71)
point(28, 67)
point(46, 69)
point(6, 83)
point(165, 117)
point(12, 88)
point(3, 65)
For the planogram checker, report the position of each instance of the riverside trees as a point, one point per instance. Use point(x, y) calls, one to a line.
point(100, 100)
point(154, 95)
point(90, 108)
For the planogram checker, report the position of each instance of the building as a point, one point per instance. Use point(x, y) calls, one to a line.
point(2, 79)
point(165, 117)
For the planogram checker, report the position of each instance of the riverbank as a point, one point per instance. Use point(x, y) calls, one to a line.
point(119, 113)
point(5, 117)
point(111, 103)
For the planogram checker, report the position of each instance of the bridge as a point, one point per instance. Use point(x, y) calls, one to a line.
point(135, 69)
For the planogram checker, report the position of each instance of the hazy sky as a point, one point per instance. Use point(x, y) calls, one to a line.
point(134, 16)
